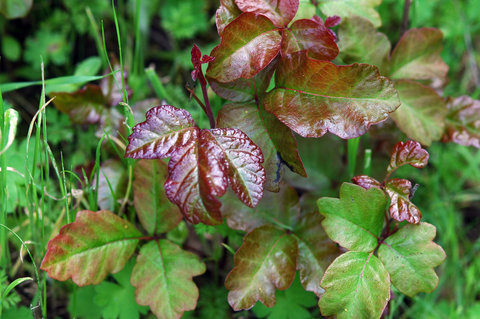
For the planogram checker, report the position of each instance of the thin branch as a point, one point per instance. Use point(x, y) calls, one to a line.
point(406, 17)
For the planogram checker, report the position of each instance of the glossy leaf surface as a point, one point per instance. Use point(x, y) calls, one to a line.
point(357, 285)
point(155, 212)
point(410, 152)
point(422, 113)
point(162, 278)
point(266, 261)
point(401, 208)
point(417, 55)
point(87, 250)
point(309, 35)
point(409, 256)
point(463, 121)
point(313, 97)
point(225, 14)
point(347, 8)
point(355, 220)
point(249, 43)
point(366, 182)
point(280, 12)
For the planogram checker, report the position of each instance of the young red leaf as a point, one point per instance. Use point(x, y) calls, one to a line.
point(87, 250)
point(332, 21)
point(421, 115)
point(309, 35)
point(357, 285)
point(463, 121)
point(417, 56)
point(410, 152)
point(409, 256)
point(280, 12)
point(225, 14)
point(155, 212)
point(355, 220)
point(313, 97)
point(266, 261)
point(162, 278)
point(401, 208)
point(366, 182)
point(249, 43)
point(349, 8)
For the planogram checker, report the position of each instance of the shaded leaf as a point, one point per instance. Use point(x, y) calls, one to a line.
point(225, 14)
point(401, 208)
point(417, 56)
point(409, 256)
point(410, 152)
point(309, 35)
point(82, 305)
point(366, 182)
point(155, 212)
point(462, 122)
point(422, 113)
point(249, 43)
point(162, 278)
point(280, 12)
point(266, 261)
point(361, 42)
point(13, 9)
point(315, 251)
point(112, 87)
point(348, 8)
point(111, 184)
point(355, 220)
point(313, 97)
point(87, 250)
point(357, 285)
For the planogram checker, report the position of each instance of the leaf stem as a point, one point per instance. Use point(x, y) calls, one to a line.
point(405, 19)
point(208, 108)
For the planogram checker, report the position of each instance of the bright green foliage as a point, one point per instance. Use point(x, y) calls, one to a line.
point(13, 9)
point(346, 8)
point(355, 220)
point(46, 45)
point(409, 256)
point(81, 304)
point(357, 285)
point(11, 48)
point(185, 18)
point(162, 277)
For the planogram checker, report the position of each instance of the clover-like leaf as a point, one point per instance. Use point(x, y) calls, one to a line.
point(366, 182)
point(401, 208)
point(410, 152)
point(409, 256)
point(87, 250)
point(361, 42)
point(225, 14)
point(305, 34)
point(355, 220)
point(280, 12)
point(266, 261)
point(357, 285)
point(463, 121)
point(348, 8)
point(155, 212)
point(313, 97)
point(417, 55)
point(249, 43)
point(13, 9)
point(421, 115)
point(162, 278)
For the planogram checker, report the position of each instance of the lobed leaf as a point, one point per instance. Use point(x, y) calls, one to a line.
point(280, 12)
point(225, 14)
point(87, 250)
point(249, 43)
point(348, 8)
point(355, 220)
point(313, 97)
point(366, 182)
point(162, 278)
point(462, 122)
point(266, 261)
point(410, 152)
point(417, 56)
point(421, 115)
point(357, 285)
point(401, 208)
point(409, 255)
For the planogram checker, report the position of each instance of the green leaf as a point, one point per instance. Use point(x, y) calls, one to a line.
point(347, 8)
point(11, 48)
point(155, 212)
point(13, 9)
point(462, 123)
point(421, 115)
point(87, 250)
point(81, 304)
point(357, 285)
point(11, 118)
point(409, 256)
point(162, 277)
point(417, 56)
point(184, 19)
point(111, 184)
point(355, 220)
point(260, 269)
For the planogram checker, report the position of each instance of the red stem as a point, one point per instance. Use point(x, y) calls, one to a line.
point(208, 108)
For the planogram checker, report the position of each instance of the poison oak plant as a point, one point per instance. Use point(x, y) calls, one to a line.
point(246, 148)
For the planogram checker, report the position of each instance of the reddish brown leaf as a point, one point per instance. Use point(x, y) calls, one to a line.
point(332, 21)
point(313, 97)
point(463, 121)
point(401, 208)
point(410, 152)
point(227, 11)
point(280, 12)
point(366, 182)
point(249, 43)
point(309, 35)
